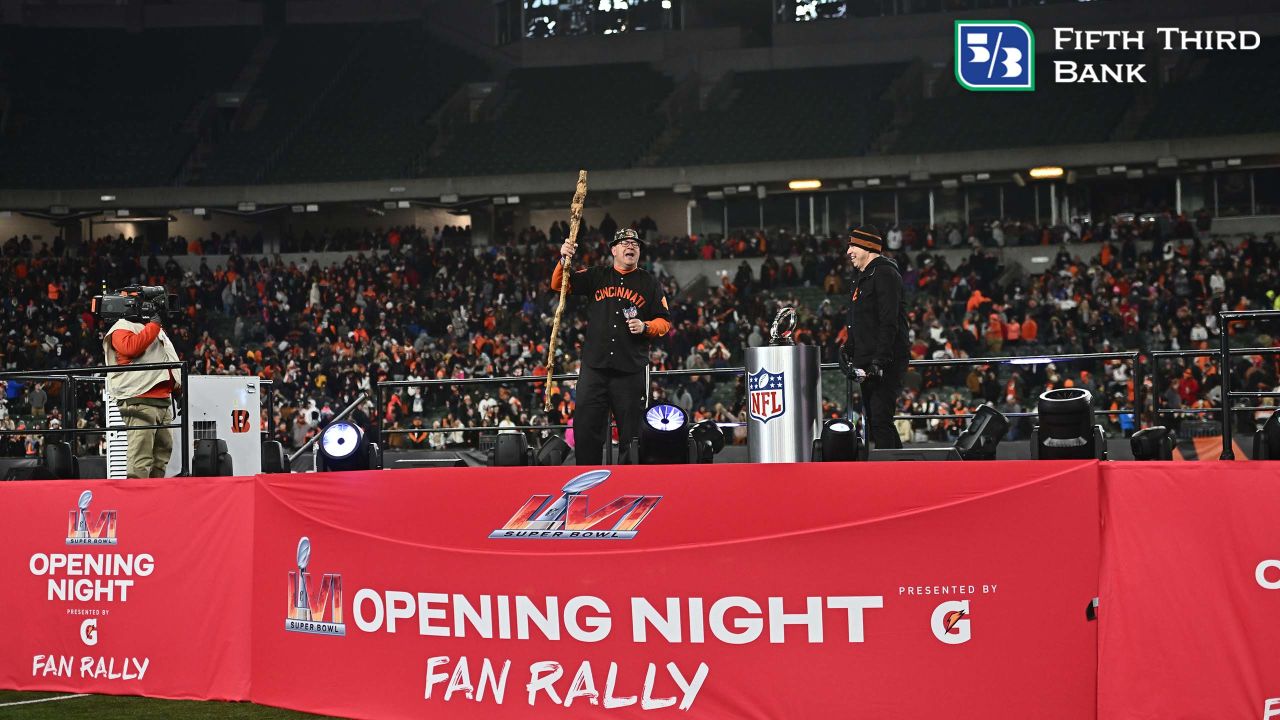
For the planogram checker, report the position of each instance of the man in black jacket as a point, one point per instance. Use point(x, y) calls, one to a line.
point(626, 311)
point(878, 349)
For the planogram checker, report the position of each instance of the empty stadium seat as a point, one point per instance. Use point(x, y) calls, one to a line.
point(790, 114)
point(106, 108)
point(597, 117)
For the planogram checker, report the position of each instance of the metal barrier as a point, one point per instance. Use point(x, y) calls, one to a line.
point(1224, 320)
point(378, 387)
point(69, 376)
point(97, 374)
point(1223, 353)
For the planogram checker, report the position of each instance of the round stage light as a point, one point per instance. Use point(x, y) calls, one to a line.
point(1066, 430)
point(344, 446)
point(664, 437)
point(838, 442)
point(665, 418)
point(340, 440)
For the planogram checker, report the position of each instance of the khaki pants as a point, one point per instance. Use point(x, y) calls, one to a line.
point(149, 450)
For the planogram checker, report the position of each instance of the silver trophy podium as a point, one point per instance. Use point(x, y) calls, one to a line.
point(784, 403)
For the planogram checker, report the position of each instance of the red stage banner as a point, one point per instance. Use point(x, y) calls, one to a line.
point(1190, 586)
point(805, 591)
point(136, 587)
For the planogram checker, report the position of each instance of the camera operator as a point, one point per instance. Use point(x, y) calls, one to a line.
point(145, 397)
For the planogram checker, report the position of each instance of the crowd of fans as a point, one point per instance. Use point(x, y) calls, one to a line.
point(425, 304)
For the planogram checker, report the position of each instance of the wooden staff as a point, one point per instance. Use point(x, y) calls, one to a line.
point(575, 219)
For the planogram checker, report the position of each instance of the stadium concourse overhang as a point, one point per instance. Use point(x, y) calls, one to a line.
point(1149, 156)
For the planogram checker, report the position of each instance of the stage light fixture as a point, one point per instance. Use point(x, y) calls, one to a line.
point(510, 450)
point(211, 459)
point(344, 446)
point(708, 440)
point(984, 432)
point(1067, 430)
point(274, 458)
point(1153, 443)
point(61, 461)
point(1266, 441)
point(664, 435)
point(838, 442)
point(553, 451)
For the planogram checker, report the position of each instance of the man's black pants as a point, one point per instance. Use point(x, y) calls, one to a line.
point(600, 390)
point(879, 400)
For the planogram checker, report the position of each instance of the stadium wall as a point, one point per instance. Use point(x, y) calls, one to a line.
point(1136, 153)
point(17, 224)
point(1023, 260)
point(668, 212)
point(1255, 224)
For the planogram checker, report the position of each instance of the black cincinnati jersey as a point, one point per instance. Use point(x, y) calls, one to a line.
point(612, 297)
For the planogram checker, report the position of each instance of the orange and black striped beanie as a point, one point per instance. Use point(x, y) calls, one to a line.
point(867, 238)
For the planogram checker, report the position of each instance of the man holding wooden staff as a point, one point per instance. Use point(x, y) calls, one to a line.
point(626, 310)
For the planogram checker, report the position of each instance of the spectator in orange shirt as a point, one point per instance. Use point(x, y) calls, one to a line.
point(1029, 329)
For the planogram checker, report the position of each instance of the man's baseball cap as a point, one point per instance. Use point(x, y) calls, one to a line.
point(626, 234)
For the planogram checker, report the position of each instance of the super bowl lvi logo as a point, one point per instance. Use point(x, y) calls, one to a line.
point(308, 604)
point(569, 517)
point(83, 530)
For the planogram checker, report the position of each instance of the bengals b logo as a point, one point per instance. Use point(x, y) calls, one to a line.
point(239, 421)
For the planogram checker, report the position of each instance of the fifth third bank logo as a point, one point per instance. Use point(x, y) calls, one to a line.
point(996, 55)
point(309, 604)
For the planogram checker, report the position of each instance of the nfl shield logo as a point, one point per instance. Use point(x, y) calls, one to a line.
point(766, 394)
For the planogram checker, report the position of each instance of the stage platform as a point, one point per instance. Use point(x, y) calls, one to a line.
point(1209, 448)
point(1007, 588)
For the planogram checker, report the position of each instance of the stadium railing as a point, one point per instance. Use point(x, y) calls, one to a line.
point(380, 388)
point(69, 376)
point(1223, 353)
